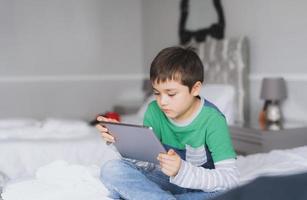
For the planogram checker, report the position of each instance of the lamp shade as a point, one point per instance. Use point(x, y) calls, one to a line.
point(273, 89)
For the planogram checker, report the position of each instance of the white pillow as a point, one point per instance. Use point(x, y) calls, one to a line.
point(18, 123)
point(142, 110)
point(221, 95)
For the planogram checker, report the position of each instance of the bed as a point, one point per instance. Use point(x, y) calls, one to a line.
point(64, 180)
point(60, 158)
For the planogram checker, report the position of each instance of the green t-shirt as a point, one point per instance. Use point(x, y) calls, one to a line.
point(206, 133)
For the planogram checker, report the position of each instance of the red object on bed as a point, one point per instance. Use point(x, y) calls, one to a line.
point(112, 115)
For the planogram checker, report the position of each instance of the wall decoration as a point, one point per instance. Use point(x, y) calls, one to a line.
point(216, 30)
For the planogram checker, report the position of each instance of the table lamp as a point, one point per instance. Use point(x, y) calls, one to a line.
point(273, 91)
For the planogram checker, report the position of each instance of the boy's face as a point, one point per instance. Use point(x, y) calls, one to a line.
point(175, 99)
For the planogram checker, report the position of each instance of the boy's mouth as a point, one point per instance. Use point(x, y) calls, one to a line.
point(166, 110)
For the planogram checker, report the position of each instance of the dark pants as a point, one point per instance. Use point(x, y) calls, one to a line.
point(288, 187)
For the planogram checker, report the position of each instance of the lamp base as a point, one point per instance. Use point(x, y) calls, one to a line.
point(274, 126)
point(273, 113)
point(273, 116)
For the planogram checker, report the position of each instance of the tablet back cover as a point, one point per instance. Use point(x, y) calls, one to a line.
point(136, 142)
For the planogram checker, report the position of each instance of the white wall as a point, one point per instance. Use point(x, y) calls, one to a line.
point(159, 27)
point(80, 53)
point(276, 31)
point(49, 47)
point(52, 37)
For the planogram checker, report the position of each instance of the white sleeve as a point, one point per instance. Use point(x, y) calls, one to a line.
point(224, 176)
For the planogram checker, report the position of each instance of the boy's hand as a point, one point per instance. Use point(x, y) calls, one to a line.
point(170, 162)
point(106, 135)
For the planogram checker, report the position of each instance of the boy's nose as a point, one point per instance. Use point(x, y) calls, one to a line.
point(163, 100)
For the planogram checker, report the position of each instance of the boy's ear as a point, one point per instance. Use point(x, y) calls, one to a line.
point(195, 91)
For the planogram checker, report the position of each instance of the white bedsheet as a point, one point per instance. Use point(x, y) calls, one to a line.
point(68, 180)
point(28, 144)
point(22, 157)
point(276, 162)
point(59, 181)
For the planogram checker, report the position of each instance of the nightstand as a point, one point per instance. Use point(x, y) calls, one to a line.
point(249, 138)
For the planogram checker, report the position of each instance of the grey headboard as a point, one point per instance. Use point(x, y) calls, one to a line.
point(226, 62)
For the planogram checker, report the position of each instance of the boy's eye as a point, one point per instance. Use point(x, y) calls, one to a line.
point(156, 93)
point(172, 94)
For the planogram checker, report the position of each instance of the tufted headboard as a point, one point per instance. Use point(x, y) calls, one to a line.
point(226, 62)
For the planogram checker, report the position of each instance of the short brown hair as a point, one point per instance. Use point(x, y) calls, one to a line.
point(177, 63)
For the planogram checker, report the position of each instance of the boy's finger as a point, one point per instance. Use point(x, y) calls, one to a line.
point(101, 128)
point(101, 118)
point(165, 157)
point(108, 137)
point(167, 166)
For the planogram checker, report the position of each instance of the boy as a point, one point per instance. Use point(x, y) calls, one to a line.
point(200, 161)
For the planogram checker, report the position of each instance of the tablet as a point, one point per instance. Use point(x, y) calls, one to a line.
point(135, 141)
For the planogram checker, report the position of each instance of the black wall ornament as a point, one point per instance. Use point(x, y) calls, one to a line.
point(216, 30)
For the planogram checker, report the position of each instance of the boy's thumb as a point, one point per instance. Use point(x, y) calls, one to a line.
point(171, 152)
point(101, 118)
